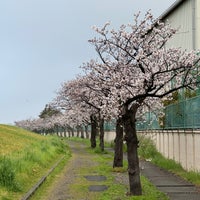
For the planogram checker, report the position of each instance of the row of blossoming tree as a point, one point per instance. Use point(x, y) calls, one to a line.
point(133, 72)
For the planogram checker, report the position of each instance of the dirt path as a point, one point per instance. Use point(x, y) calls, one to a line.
point(72, 184)
point(76, 182)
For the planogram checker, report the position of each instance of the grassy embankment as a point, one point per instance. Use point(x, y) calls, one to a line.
point(24, 158)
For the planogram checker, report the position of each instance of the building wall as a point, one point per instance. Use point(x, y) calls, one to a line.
point(181, 18)
point(197, 24)
point(179, 145)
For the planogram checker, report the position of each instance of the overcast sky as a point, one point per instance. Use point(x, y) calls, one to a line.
point(44, 42)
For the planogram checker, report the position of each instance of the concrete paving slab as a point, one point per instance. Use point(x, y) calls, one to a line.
point(175, 187)
point(95, 178)
point(161, 176)
point(97, 188)
point(172, 189)
point(179, 196)
point(165, 181)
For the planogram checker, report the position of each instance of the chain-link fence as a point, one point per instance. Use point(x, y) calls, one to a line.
point(185, 114)
point(109, 125)
point(182, 115)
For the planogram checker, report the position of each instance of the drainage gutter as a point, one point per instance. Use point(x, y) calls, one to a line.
point(41, 181)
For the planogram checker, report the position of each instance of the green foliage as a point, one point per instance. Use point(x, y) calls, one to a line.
point(26, 157)
point(167, 164)
point(193, 177)
point(112, 145)
point(177, 96)
point(173, 99)
point(190, 93)
point(116, 190)
point(120, 169)
point(99, 151)
point(43, 190)
point(149, 190)
point(48, 112)
point(59, 145)
point(147, 150)
point(7, 175)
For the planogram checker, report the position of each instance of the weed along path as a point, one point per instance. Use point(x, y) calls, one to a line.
point(81, 178)
point(88, 175)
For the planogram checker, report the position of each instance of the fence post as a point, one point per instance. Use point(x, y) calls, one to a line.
point(186, 150)
point(194, 152)
point(179, 147)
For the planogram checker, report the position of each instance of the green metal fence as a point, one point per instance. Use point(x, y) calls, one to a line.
point(185, 114)
point(182, 115)
point(150, 121)
point(109, 125)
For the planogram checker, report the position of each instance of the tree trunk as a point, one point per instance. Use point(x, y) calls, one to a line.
point(77, 131)
point(118, 157)
point(57, 130)
point(82, 132)
point(69, 132)
point(72, 132)
point(101, 135)
point(65, 131)
point(93, 130)
point(132, 153)
point(86, 131)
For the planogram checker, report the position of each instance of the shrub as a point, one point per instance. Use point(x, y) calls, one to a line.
point(147, 148)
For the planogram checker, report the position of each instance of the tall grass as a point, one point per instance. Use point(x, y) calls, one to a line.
point(8, 175)
point(29, 158)
point(147, 150)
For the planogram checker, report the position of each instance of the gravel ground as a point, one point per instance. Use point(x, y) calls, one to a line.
point(80, 165)
point(80, 159)
point(61, 190)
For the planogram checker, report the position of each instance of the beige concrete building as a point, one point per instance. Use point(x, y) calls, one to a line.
point(184, 15)
point(182, 145)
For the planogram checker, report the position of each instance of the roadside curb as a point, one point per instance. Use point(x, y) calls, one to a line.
point(41, 181)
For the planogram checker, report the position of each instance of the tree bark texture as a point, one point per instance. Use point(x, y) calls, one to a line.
point(93, 119)
point(82, 132)
point(86, 131)
point(65, 132)
point(72, 132)
point(101, 135)
point(118, 157)
point(78, 131)
point(132, 151)
point(69, 133)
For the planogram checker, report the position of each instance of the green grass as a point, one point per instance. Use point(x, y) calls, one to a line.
point(147, 150)
point(7, 175)
point(43, 190)
point(116, 190)
point(24, 158)
point(119, 191)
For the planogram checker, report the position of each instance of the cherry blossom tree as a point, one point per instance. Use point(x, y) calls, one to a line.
point(36, 125)
point(76, 97)
point(97, 84)
point(91, 95)
point(139, 71)
point(47, 125)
